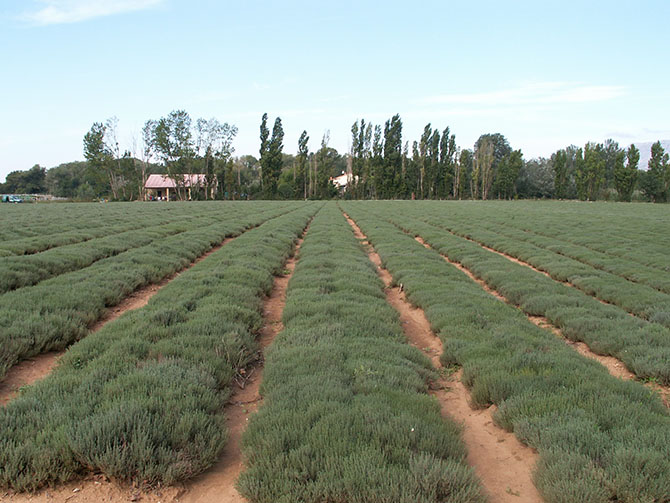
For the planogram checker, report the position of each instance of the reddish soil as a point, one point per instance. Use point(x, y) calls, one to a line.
point(25, 373)
point(503, 464)
point(216, 485)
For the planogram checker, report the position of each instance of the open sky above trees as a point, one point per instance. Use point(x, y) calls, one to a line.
point(544, 76)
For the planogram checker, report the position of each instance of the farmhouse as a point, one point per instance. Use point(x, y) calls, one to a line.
point(343, 180)
point(163, 187)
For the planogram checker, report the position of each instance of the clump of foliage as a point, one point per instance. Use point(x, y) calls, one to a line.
point(142, 399)
point(58, 311)
point(600, 439)
point(345, 415)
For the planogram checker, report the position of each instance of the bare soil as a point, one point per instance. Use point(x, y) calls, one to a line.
point(503, 464)
point(25, 373)
point(216, 485)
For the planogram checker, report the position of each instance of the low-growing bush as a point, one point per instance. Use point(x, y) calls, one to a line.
point(142, 399)
point(599, 439)
point(56, 312)
point(345, 415)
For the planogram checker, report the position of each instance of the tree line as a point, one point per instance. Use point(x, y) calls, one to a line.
point(380, 164)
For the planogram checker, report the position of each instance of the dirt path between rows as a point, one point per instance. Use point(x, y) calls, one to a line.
point(216, 485)
point(503, 464)
point(613, 365)
point(38, 367)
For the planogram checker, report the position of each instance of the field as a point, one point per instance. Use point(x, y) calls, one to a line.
point(352, 351)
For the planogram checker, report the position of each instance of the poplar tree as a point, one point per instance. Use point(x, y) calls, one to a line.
point(625, 176)
point(264, 154)
point(589, 172)
point(560, 167)
point(656, 181)
point(392, 166)
point(301, 165)
point(275, 159)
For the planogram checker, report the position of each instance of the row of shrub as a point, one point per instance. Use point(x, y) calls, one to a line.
point(547, 254)
point(38, 227)
point(599, 439)
point(644, 347)
point(58, 311)
point(624, 267)
point(346, 415)
point(634, 232)
point(142, 399)
point(20, 271)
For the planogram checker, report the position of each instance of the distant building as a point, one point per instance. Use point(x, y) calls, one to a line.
point(163, 187)
point(343, 180)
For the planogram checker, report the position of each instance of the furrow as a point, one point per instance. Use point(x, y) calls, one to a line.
point(218, 483)
point(58, 311)
point(503, 464)
point(644, 347)
point(38, 367)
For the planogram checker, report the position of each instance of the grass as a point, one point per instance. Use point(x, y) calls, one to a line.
point(142, 399)
point(346, 415)
point(599, 439)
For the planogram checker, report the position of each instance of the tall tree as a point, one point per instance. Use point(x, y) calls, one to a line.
point(447, 164)
point(482, 171)
point(655, 183)
point(32, 181)
point(301, 166)
point(148, 149)
point(376, 169)
point(560, 167)
point(264, 159)
point(536, 179)
point(100, 159)
point(610, 152)
point(625, 176)
point(508, 173)
point(391, 175)
point(271, 156)
point(213, 144)
point(173, 143)
point(590, 172)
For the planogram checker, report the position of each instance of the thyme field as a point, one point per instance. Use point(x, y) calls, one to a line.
point(554, 318)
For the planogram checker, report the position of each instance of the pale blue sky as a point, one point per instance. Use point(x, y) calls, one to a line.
point(545, 74)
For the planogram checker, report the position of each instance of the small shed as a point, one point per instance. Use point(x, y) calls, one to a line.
point(164, 188)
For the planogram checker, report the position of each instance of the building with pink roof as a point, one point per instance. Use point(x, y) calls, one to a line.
point(163, 187)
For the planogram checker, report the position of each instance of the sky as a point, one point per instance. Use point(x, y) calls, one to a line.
point(545, 74)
